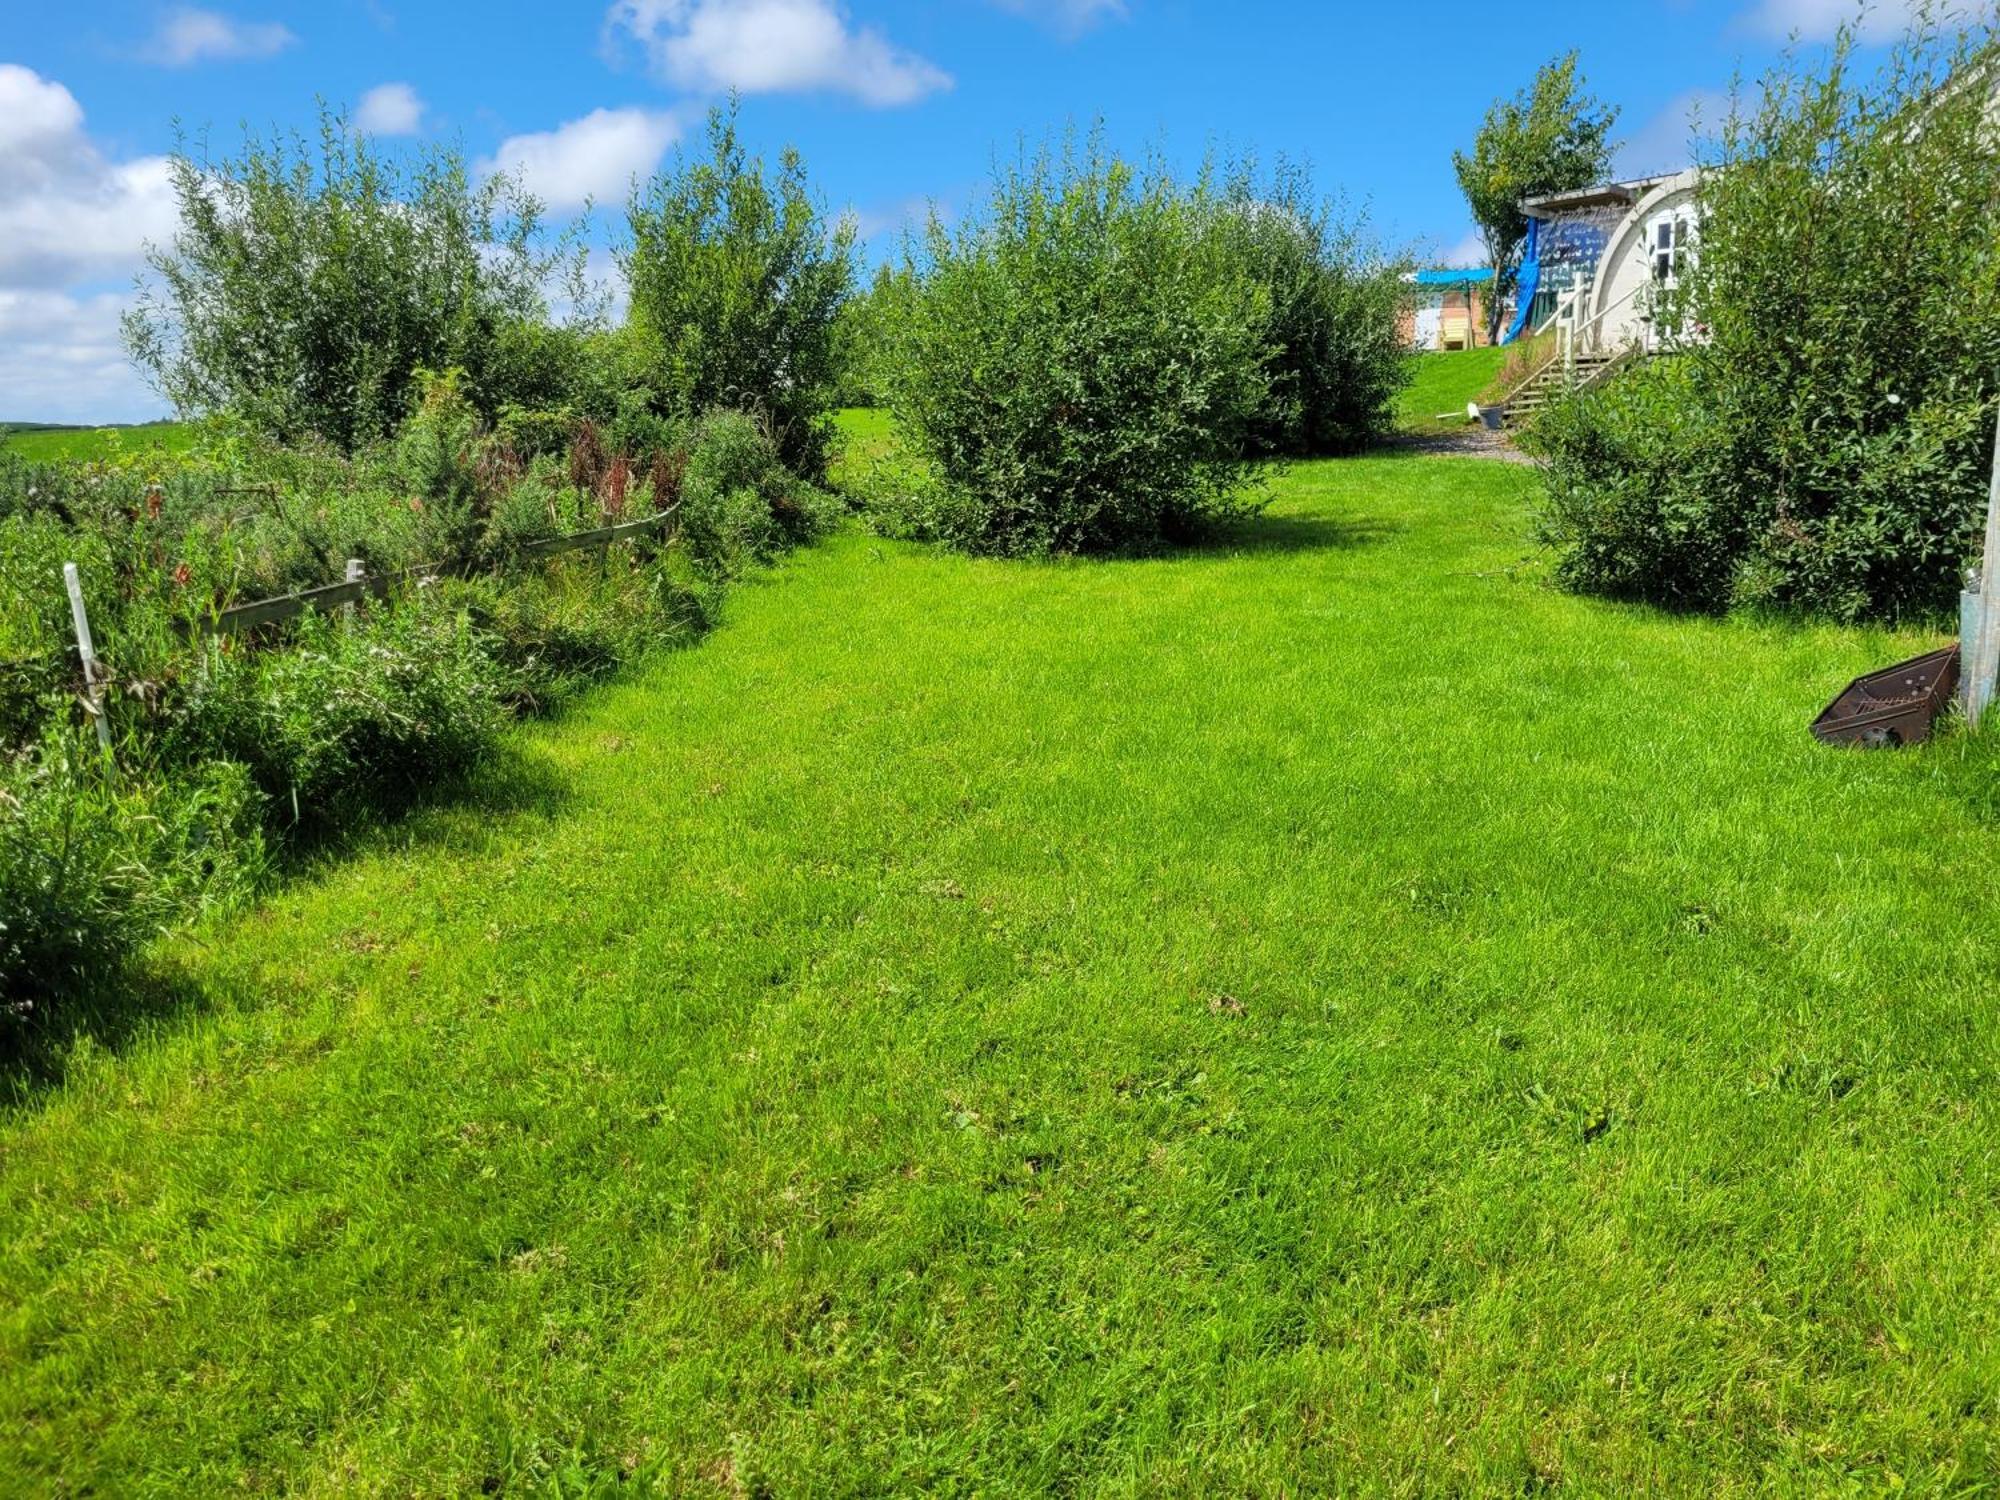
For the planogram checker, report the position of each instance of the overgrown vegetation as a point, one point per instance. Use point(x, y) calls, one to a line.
point(371, 352)
point(1820, 437)
point(92, 864)
point(312, 729)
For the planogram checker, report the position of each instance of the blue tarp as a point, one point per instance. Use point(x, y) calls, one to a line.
point(1453, 278)
point(1528, 284)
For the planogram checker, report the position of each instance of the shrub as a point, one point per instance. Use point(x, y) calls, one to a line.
point(1839, 382)
point(1338, 357)
point(739, 503)
point(737, 285)
point(306, 288)
point(91, 866)
point(350, 720)
point(1083, 361)
point(578, 619)
point(1630, 502)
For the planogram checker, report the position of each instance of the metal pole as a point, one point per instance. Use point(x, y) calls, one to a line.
point(93, 672)
point(1980, 656)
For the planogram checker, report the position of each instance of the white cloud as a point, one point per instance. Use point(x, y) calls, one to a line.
point(390, 109)
point(1673, 138)
point(69, 219)
point(187, 35)
point(1070, 17)
point(1818, 20)
point(772, 47)
point(41, 127)
point(66, 214)
point(1469, 251)
point(61, 360)
point(596, 157)
point(882, 221)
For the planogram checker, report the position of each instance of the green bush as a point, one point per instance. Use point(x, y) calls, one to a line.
point(1838, 383)
point(1338, 358)
point(737, 285)
point(1630, 503)
point(92, 865)
point(1083, 361)
point(866, 334)
point(319, 725)
point(352, 719)
point(307, 287)
point(739, 503)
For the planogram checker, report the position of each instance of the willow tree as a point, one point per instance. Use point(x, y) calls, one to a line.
point(309, 283)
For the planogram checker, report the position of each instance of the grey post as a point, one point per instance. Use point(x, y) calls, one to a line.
point(1980, 650)
point(93, 671)
point(355, 573)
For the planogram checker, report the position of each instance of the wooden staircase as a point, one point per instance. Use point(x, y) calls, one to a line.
point(1552, 380)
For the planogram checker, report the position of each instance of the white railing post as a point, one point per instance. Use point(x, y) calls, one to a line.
point(1569, 336)
point(1979, 656)
point(93, 670)
point(355, 574)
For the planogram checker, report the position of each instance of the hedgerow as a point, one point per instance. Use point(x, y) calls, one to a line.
point(327, 723)
point(1821, 439)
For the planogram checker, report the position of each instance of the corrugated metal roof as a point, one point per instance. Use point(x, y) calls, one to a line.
point(1452, 278)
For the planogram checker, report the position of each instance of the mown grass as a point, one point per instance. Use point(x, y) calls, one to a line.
point(1445, 382)
point(867, 439)
point(90, 444)
point(1320, 1013)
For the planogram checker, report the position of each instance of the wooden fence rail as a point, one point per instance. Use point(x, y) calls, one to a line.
point(359, 586)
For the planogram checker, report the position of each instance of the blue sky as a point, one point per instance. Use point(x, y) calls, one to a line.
point(894, 103)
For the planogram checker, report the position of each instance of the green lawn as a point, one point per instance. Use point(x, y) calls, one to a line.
point(1320, 1014)
point(47, 444)
point(1436, 400)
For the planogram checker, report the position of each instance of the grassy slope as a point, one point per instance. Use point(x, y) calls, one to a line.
point(87, 443)
point(1444, 384)
point(1322, 1013)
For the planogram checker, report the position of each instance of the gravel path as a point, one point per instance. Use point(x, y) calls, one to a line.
point(1472, 442)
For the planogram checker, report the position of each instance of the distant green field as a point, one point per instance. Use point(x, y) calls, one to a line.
point(45, 443)
point(1445, 383)
point(866, 434)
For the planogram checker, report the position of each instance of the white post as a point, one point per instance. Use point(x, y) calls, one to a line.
point(93, 672)
point(355, 573)
point(1980, 656)
point(1569, 334)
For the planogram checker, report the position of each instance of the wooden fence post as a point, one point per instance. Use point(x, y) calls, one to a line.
point(355, 574)
point(93, 671)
